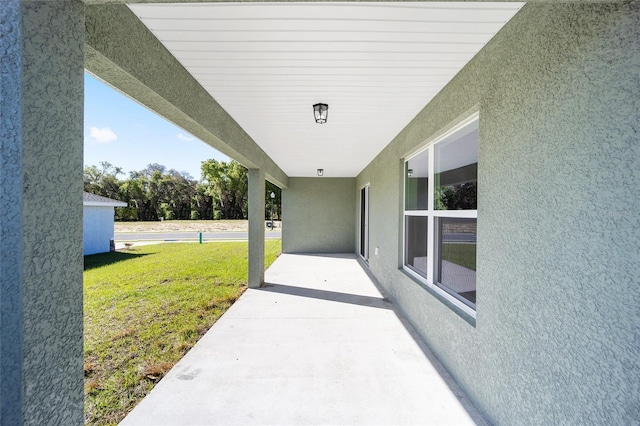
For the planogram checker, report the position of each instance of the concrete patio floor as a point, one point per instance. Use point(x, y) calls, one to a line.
point(317, 345)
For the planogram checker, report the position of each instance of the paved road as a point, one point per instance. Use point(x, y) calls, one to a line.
point(231, 235)
point(188, 236)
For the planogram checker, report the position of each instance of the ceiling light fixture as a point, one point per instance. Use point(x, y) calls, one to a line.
point(320, 112)
point(320, 172)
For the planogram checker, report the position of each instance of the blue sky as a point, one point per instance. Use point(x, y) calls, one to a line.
point(128, 135)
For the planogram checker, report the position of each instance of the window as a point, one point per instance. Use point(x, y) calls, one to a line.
point(440, 214)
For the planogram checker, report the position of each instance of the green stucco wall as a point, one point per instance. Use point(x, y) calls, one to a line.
point(317, 215)
point(41, 101)
point(556, 336)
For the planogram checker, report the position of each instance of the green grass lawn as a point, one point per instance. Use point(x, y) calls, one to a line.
point(460, 254)
point(145, 308)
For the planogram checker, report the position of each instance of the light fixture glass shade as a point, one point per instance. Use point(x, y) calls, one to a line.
point(320, 172)
point(320, 112)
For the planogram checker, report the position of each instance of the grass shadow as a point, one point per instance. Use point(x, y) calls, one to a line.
point(101, 259)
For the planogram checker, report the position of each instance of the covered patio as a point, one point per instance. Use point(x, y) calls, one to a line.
point(317, 344)
point(532, 108)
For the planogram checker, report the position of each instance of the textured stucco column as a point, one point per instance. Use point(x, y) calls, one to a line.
point(41, 114)
point(256, 227)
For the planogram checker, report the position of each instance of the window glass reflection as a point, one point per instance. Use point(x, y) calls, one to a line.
point(456, 171)
point(456, 266)
point(416, 243)
point(417, 182)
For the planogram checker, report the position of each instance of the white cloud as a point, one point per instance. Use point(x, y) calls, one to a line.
point(102, 135)
point(184, 137)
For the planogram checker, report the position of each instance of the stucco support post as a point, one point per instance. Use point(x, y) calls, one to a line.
point(41, 121)
point(256, 227)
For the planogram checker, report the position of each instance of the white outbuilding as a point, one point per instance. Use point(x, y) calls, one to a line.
point(98, 214)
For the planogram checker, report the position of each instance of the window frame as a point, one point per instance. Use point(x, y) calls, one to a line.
point(432, 214)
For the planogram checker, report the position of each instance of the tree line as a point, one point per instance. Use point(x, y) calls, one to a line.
point(156, 193)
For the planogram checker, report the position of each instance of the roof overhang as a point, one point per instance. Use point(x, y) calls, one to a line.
point(375, 64)
point(243, 76)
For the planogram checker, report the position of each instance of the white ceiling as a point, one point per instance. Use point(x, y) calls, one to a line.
point(375, 64)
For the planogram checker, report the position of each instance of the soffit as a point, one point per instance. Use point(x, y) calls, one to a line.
point(375, 64)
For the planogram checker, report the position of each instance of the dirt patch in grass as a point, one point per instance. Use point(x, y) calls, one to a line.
point(154, 371)
point(184, 226)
